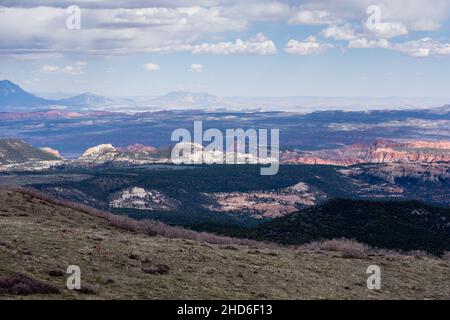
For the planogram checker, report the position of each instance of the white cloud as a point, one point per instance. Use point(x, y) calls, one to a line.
point(195, 67)
point(111, 31)
point(99, 4)
point(413, 14)
point(397, 16)
point(423, 48)
point(75, 70)
point(50, 69)
point(307, 47)
point(339, 32)
point(315, 17)
point(364, 43)
point(425, 25)
point(389, 29)
point(258, 11)
point(138, 26)
point(152, 67)
point(257, 45)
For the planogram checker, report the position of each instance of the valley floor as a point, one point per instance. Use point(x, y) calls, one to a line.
point(39, 238)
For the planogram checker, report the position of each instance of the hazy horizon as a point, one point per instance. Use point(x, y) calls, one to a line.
point(277, 48)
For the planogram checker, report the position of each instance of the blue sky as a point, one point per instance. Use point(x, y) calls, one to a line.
point(229, 48)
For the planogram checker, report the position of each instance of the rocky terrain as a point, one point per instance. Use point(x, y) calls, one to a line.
point(428, 182)
point(263, 204)
point(134, 192)
point(132, 155)
point(41, 238)
point(136, 154)
point(390, 172)
point(381, 151)
point(20, 154)
point(267, 204)
point(142, 199)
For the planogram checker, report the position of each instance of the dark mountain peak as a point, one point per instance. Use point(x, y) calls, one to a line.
point(14, 98)
point(8, 88)
point(7, 82)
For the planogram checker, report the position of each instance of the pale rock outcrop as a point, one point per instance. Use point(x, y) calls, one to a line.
point(52, 151)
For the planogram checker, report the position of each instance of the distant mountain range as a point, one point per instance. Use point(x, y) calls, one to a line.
point(14, 98)
point(187, 99)
point(86, 99)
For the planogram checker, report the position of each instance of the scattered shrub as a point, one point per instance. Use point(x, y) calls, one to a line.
point(157, 269)
point(419, 254)
point(87, 289)
point(348, 248)
point(56, 273)
point(229, 247)
point(446, 256)
point(23, 285)
point(134, 256)
point(5, 244)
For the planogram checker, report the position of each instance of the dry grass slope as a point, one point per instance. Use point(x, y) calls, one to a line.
point(40, 237)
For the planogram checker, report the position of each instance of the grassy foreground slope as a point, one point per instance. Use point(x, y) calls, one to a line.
point(40, 238)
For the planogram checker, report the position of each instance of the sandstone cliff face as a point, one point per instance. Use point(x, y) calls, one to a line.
point(379, 152)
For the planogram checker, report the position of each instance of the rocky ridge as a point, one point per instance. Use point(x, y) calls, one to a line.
point(381, 151)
